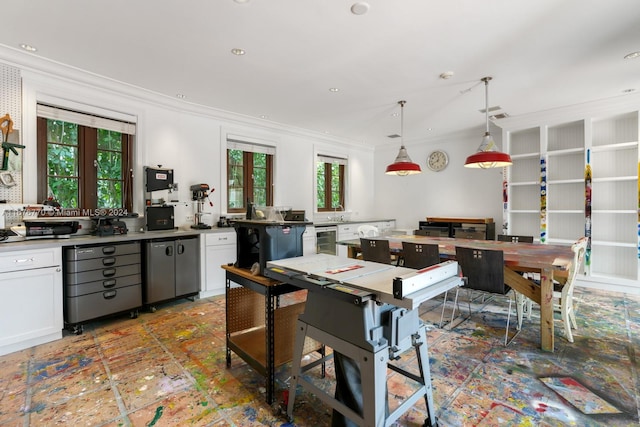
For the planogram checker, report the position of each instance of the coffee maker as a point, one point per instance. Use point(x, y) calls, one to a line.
point(199, 194)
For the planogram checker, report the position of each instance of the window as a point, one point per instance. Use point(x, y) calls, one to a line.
point(330, 173)
point(83, 167)
point(249, 175)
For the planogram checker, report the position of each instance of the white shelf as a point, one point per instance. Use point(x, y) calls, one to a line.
point(615, 179)
point(565, 151)
point(617, 146)
point(525, 156)
point(614, 211)
point(523, 211)
point(524, 183)
point(565, 211)
point(616, 244)
point(566, 181)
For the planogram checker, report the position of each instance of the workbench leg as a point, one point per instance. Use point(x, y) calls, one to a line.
point(226, 304)
point(546, 309)
point(425, 372)
point(270, 344)
point(298, 348)
point(373, 367)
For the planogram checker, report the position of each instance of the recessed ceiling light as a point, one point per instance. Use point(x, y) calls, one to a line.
point(360, 8)
point(632, 55)
point(334, 89)
point(395, 114)
point(181, 96)
point(241, 1)
point(628, 90)
point(28, 47)
point(237, 51)
point(446, 75)
point(264, 116)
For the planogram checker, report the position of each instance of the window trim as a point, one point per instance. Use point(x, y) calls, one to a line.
point(87, 196)
point(330, 160)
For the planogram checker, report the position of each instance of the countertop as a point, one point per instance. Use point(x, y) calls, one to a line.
point(351, 221)
point(88, 239)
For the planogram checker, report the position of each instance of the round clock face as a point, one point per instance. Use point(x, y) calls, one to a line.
point(437, 160)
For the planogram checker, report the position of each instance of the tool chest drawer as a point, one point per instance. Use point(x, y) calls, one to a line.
point(100, 263)
point(89, 252)
point(99, 304)
point(103, 285)
point(103, 273)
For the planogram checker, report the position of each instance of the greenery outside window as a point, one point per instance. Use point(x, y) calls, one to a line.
point(330, 183)
point(83, 167)
point(249, 176)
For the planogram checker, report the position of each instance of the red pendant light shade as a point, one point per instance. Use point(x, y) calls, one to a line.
point(403, 165)
point(487, 156)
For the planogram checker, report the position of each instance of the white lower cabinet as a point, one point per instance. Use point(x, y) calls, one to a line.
point(30, 298)
point(220, 248)
point(309, 240)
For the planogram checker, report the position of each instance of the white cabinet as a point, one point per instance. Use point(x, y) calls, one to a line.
point(309, 240)
point(219, 249)
point(580, 178)
point(346, 232)
point(30, 298)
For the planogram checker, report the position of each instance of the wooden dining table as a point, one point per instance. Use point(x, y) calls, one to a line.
point(552, 262)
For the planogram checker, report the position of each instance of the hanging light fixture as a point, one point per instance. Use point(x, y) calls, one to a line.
point(402, 165)
point(487, 155)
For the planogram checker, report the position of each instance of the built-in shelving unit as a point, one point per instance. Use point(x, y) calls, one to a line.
point(579, 178)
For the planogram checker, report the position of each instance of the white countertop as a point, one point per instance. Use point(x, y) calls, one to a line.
point(88, 239)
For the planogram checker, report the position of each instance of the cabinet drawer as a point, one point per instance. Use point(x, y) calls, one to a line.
point(102, 285)
point(25, 260)
point(99, 304)
point(461, 233)
point(99, 263)
point(89, 252)
point(216, 239)
point(104, 273)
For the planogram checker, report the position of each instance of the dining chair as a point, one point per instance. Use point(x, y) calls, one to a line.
point(368, 231)
point(563, 292)
point(525, 303)
point(420, 255)
point(376, 250)
point(514, 238)
point(483, 270)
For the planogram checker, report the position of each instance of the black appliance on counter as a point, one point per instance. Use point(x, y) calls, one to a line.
point(43, 229)
point(262, 241)
point(109, 226)
point(159, 218)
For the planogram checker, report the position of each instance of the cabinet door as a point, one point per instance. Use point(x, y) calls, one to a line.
point(30, 308)
point(216, 256)
point(187, 266)
point(160, 271)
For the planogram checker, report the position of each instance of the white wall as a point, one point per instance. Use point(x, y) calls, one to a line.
point(454, 192)
point(189, 139)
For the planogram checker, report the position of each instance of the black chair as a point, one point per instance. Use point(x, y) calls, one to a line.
point(484, 271)
point(419, 255)
point(376, 250)
point(514, 238)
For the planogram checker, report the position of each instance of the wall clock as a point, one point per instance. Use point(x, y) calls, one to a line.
point(437, 160)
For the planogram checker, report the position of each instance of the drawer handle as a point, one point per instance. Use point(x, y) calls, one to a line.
point(109, 294)
point(23, 260)
point(108, 272)
point(109, 283)
point(109, 261)
point(108, 250)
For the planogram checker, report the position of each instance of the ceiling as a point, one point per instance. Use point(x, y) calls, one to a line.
point(541, 54)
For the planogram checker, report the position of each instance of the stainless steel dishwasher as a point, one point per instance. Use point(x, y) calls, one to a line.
point(326, 237)
point(172, 269)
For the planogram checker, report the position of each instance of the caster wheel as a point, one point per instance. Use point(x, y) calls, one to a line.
point(134, 314)
point(77, 330)
point(152, 309)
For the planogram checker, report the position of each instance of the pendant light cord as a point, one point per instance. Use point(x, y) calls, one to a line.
point(486, 103)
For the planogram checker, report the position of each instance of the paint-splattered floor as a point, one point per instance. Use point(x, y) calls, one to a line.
point(168, 368)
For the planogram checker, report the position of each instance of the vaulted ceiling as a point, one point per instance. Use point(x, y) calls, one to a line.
point(341, 66)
